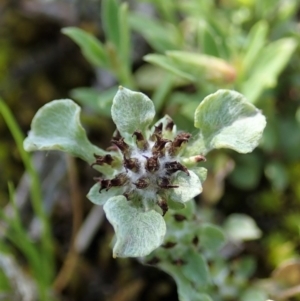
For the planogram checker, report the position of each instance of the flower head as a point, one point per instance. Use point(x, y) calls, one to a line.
point(148, 168)
point(150, 165)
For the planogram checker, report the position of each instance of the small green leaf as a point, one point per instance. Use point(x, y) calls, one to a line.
point(227, 120)
point(184, 287)
point(189, 187)
point(195, 268)
point(168, 64)
point(218, 30)
point(132, 111)
point(124, 46)
point(56, 126)
point(194, 67)
point(203, 66)
point(266, 69)
point(241, 227)
point(100, 198)
point(254, 293)
point(148, 77)
point(245, 267)
point(110, 18)
point(255, 42)
point(189, 210)
point(187, 291)
point(91, 47)
point(277, 174)
point(211, 237)
point(247, 172)
point(162, 36)
point(208, 39)
point(202, 297)
point(138, 233)
point(175, 205)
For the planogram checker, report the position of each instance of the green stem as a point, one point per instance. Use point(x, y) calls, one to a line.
point(119, 68)
point(36, 198)
point(126, 77)
point(162, 91)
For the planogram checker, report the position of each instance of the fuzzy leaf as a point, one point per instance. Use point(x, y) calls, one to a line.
point(189, 187)
point(241, 227)
point(100, 198)
point(56, 126)
point(195, 269)
point(132, 111)
point(211, 237)
point(187, 290)
point(138, 232)
point(227, 120)
point(201, 172)
point(254, 293)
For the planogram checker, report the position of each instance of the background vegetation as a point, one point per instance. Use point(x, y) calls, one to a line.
point(54, 245)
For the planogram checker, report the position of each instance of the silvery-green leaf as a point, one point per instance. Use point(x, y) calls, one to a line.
point(196, 146)
point(56, 126)
point(99, 198)
point(227, 120)
point(132, 111)
point(195, 268)
point(138, 232)
point(184, 286)
point(201, 172)
point(187, 290)
point(212, 238)
point(254, 293)
point(189, 187)
point(241, 227)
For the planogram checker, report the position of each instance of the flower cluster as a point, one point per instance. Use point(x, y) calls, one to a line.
point(148, 165)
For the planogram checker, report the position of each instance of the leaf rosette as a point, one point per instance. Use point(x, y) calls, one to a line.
point(147, 170)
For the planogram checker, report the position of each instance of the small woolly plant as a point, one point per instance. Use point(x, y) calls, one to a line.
point(149, 170)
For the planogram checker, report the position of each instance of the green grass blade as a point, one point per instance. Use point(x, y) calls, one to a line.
point(92, 49)
point(110, 19)
point(36, 198)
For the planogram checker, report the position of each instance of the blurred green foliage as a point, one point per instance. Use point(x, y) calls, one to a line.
point(39, 256)
point(194, 48)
